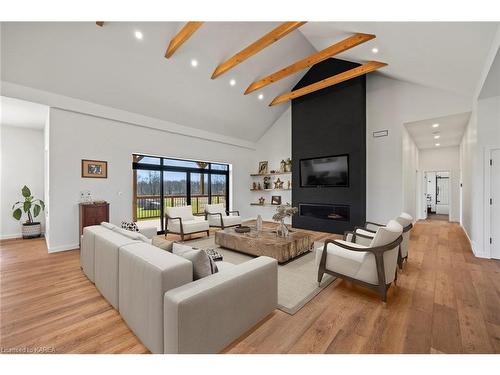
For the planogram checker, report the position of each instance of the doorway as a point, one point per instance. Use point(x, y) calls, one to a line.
point(437, 195)
point(494, 202)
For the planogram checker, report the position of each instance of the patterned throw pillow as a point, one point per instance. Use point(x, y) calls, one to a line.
point(130, 225)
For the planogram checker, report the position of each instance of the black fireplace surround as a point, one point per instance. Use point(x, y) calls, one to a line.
point(331, 121)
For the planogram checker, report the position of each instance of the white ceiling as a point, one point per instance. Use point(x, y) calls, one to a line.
point(109, 66)
point(491, 85)
point(451, 129)
point(445, 55)
point(20, 113)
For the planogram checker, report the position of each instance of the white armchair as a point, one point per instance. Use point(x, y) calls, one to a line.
point(365, 235)
point(217, 216)
point(373, 266)
point(180, 220)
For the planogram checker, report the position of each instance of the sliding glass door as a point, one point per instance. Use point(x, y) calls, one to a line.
point(164, 182)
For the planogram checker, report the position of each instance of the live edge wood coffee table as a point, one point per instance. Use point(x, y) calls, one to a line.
point(265, 243)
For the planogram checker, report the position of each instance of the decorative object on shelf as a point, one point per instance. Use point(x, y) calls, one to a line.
point(276, 200)
point(258, 223)
point(282, 212)
point(30, 228)
point(242, 229)
point(262, 201)
point(273, 172)
point(288, 165)
point(94, 169)
point(278, 184)
point(254, 186)
point(259, 187)
point(267, 182)
point(263, 165)
point(283, 166)
point(289, 184)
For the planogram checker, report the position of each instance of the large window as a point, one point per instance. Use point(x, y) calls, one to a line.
point(164, 182)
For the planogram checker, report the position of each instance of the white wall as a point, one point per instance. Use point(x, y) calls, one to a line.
point(275, 145)
point(390, 104)
point(75, 136)
point(482, 133)
point(410, 154)
point(445, 159)
point(21, 164)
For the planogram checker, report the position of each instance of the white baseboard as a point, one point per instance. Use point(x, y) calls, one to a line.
point(10, 236)
point(478, 254)
point(56, 249)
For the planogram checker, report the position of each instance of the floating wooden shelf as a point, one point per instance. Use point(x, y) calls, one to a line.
point(269, 174)
point(265, 205)
point(270, 189)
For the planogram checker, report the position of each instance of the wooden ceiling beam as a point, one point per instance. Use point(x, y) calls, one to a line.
point(311, 60)
point(257, 46)
point(182, 36)
point(330, 81)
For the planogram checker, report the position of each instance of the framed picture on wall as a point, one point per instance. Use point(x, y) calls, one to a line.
point(263, 165)
point(94, 169)
point(276, 200)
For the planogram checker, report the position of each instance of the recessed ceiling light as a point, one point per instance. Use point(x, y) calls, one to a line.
point(138, 35)
point(194, 63)
point(437, 136)
point(232, 82)
point(261, 96)
point(435, 125)
point(438, 144)
point(375, 50)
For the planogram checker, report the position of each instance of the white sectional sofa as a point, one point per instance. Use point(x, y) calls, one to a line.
point(154, 292)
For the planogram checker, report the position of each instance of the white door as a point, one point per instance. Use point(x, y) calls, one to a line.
point(495, 204)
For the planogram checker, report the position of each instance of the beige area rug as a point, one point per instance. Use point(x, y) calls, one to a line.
point(297, 279)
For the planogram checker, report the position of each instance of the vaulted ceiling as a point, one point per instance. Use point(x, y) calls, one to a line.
point(108, 65)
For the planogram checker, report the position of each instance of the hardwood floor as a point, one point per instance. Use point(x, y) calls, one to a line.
point(446, 301)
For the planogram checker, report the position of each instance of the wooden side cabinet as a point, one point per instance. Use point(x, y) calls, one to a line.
point(93, 214)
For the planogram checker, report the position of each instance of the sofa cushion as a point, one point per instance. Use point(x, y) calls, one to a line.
point(87, 249)
point(106, 263)
point(162, 243)
point(203, 265)
point(108, 225)
point(145, 274)
point(184, 212)
point(189, 226)
point(219, 208)
point(132, 235)
point(386, 235)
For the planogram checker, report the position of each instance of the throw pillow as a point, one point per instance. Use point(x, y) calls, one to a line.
point(130, 225)
point(162, 243)
point(203, 265)
point(108, 225)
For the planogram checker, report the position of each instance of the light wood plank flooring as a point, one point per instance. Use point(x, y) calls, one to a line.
point(446, 301)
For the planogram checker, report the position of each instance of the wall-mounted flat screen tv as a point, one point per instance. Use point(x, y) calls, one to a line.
point(325, 171)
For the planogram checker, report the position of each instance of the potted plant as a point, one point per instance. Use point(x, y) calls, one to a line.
point(30, 229)
point(283, 212)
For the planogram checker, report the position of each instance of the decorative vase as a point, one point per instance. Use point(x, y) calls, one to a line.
point(31, 230)
point(282, 229)
point(258, 224)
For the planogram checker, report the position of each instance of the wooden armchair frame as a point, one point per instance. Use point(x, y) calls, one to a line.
point(378, 251)
point(181, 233)
point(222, 226)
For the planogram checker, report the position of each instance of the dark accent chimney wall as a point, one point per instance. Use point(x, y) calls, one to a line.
point(329, 122)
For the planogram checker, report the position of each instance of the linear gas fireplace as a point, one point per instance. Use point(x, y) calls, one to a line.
point(326, 211)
